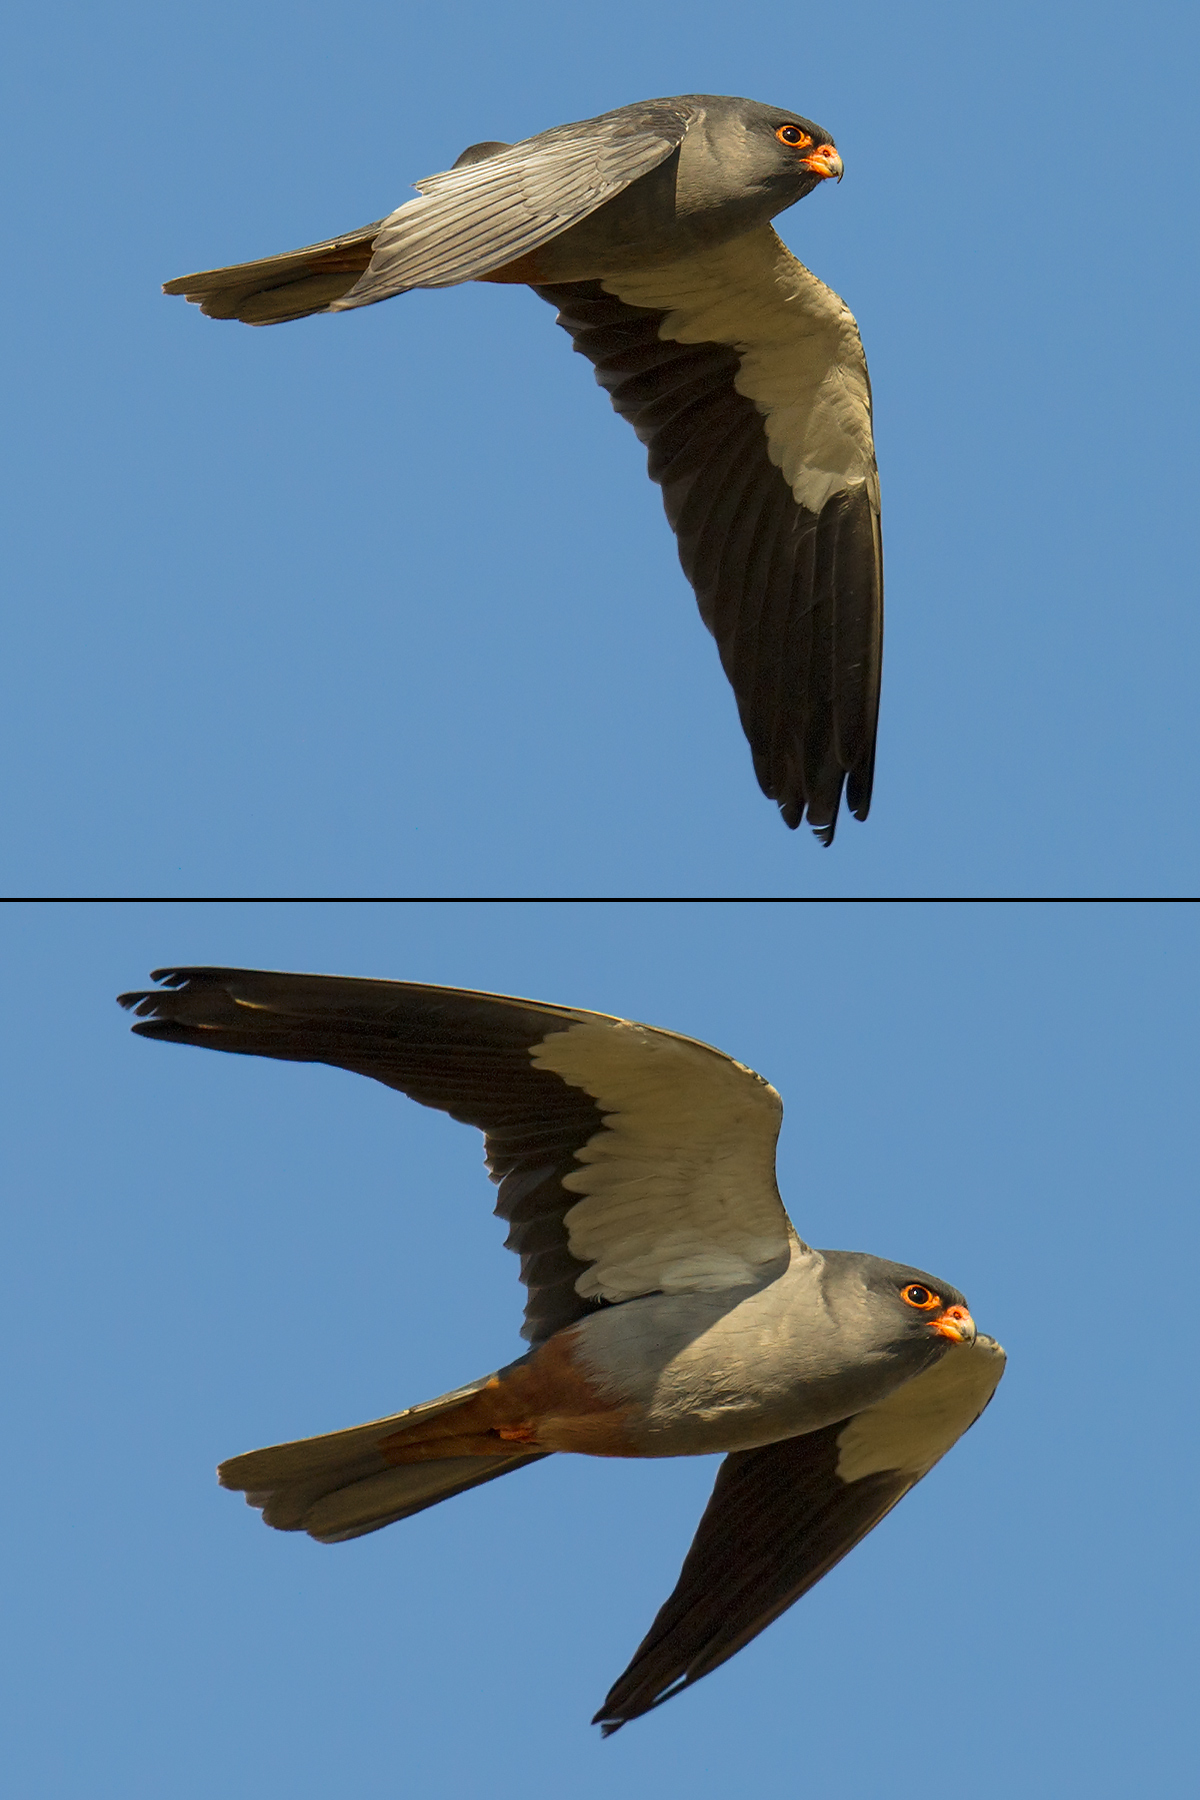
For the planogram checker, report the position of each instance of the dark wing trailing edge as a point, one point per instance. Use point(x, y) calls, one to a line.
point(792, 591)
point(779, 1518)
point(465, 1054)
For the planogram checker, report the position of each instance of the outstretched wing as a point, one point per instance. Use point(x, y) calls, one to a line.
point(780, 1517)
point(469, 220)
point(629, 1160)
point(745, 378)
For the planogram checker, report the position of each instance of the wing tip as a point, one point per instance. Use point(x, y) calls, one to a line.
point(792, 812)
point(145, 1001)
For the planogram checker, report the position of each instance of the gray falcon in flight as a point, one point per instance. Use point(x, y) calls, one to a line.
point(671, 1308)
point(649, 229)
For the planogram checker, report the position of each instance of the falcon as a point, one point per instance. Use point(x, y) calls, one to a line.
point(649, 229)
point(671, 1309)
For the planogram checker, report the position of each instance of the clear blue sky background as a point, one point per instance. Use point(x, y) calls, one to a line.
point(210, 1253)
point(385, 603)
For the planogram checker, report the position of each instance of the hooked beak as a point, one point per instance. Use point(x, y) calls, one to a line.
point(956, 1324)
point(824, 161)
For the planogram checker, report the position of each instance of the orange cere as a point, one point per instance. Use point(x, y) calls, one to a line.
point(955, 1323)
point(824, 161)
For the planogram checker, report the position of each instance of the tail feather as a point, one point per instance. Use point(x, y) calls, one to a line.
point(342, 1486)
point(385, 1499)
point(277, 288)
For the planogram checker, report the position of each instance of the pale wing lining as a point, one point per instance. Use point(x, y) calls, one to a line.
point(802, 359)
point(679, 1189)
point(912, 1428)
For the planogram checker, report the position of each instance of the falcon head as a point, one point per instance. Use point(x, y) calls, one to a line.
point(891, 1311)
point(917, 1304)
point(780, 151)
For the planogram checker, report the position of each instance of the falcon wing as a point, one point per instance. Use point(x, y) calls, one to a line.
point(467, 221)
point(629, 1160)
point(745, 378)
point(780, 1517)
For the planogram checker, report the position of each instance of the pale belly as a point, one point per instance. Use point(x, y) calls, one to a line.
point(696, 1373)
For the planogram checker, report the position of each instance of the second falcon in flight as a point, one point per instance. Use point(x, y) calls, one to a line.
point(648, 228)
point(671, 1307)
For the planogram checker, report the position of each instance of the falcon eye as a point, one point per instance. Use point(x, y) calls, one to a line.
point(792, 134)
point(919, 1296)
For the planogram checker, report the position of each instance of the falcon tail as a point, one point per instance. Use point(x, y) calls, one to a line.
point(281, 287)
point(347, 1483)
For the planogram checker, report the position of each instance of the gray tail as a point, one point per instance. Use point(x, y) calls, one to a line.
point(281, 287)
point(343, 1485)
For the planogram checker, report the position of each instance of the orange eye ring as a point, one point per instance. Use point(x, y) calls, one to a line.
point(918, 1295)
point(793, 137)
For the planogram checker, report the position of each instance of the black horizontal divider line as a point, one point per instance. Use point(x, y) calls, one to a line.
point(600, 899)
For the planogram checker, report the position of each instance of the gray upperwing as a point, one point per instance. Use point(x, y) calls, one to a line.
point(482, 214)
point(501, 202)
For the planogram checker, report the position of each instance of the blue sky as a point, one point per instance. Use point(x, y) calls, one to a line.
point(385, 603)
point(210, 1253)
